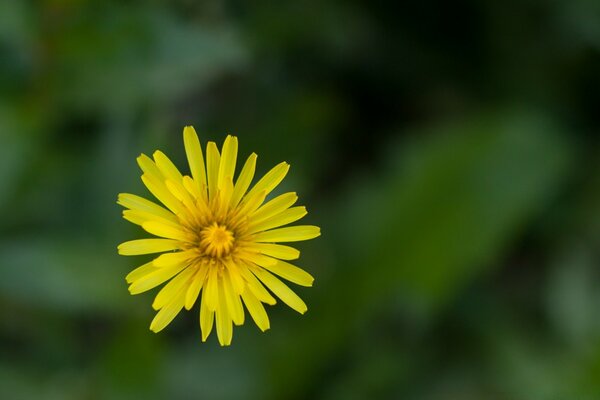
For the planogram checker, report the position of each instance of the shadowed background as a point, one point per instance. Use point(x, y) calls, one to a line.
point(449, 151)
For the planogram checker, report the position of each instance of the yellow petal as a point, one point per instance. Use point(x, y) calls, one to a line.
point(289, 234)
point(194, 288)
point(251, 203)
point(286, 217)
point(140, 272)
point(280, 289)
point(134, 217)
point(256, 258)
point(228, 161)
point(166, 231)
point(173, 289)
point(274, 207)
point(256, 287)
point(224, 326)
point(138, 203)
point(291, 273)
point(181, 194)
point(236, 277)
point(177, 189)
point(257, 311)
point(160, 191)
point(234, 304)
point(167, 313)
point(170, 259)
point(149, 167)
point(224, 196)
point(212, 166)
point(147, 246)
point(271, 179)
point(192, 188)
point(139, 217)
point(207, 317)
point(244, 180)
point(211, 290)
point(155, 278)
point(275, 250)
point(195, 158)
point(166, 167)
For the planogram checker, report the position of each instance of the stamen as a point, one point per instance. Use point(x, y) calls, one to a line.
point(216, 240)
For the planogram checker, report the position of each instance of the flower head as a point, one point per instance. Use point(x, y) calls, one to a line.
point(219, 240)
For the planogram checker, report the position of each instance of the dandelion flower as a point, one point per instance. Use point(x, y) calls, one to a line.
point(219, 239)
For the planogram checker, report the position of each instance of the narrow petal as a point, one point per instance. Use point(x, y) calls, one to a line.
point(228, 161)
point(286, 217)
point(244, 180)
point(274, 207)
point(155, 278)
point(211, 291)
point(195, 286)
point(291, 273)
point(138, 217)
point(289, 234)
point(224, 196)
point(195, 158)
point(256, 287)
point(166, 167)
point(139, 272)
point(167, 313)
point(224, 326)
point(236, 277)
point(173, 289)
point(212, 166)
point(192, 188)
point(271, 179)
point(276, 250)
point(256, 258)
point(134, 217)
point(257, 311)
point(160, 191)
point(166, 231)
point(181, 194)
point(149, 168)
point(281, 290)
point(207, 317)
point(251, 203)
point(147, 246)
point(234, 304)
point(138, 203)
point(170, 259)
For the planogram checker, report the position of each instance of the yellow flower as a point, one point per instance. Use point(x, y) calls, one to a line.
point(218, 238)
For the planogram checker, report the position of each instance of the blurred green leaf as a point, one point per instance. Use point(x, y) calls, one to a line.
point(447, 208)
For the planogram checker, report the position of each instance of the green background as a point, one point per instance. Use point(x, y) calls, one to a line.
point(448, 150)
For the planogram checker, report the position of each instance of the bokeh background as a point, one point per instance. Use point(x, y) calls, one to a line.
point(448, 150)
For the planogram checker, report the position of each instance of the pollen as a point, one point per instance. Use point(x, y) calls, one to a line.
point(216, 240)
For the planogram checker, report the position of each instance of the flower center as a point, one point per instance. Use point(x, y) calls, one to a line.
point(216, 240)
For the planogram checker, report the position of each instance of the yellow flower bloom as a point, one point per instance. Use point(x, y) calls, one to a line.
point(218, 239)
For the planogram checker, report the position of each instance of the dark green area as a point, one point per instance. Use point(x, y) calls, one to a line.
point(449, 151)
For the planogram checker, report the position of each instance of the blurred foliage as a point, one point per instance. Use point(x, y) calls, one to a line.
point(449, 151)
